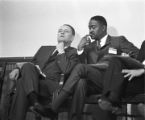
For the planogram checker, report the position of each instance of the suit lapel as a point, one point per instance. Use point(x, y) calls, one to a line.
point(104, 49)
point(108, 41)
point(48, 54)
point(51, 52)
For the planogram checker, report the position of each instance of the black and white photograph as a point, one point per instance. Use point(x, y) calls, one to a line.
point(72, 59)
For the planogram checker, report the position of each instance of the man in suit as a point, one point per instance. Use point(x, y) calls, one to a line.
point(123, 79)
point(87, 79)
point(41, 76)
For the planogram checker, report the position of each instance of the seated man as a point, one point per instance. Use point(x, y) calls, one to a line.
point(123, 79)
point(42, 75)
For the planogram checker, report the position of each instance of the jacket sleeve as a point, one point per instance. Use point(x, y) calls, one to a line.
point(83, 58)
point(67, 61)
point(128, 47)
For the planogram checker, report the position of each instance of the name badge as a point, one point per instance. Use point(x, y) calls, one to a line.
point(125, 54)
point(112, 51)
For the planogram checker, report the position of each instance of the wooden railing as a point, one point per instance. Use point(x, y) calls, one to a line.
point(6, 65)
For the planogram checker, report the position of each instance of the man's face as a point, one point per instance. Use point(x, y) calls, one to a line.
point(65, 34)
point(96, 30)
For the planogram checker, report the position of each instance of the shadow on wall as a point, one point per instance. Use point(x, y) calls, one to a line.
point(76, 40)
point(112, 31)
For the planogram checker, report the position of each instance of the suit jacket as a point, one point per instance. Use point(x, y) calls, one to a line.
point(91, 55)
point(136, 86)
point(141, 55)
point(62, 63)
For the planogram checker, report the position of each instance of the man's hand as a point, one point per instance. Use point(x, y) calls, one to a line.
point(60, 47)
point(132, 73)
point(84, 41)
point(14, 74)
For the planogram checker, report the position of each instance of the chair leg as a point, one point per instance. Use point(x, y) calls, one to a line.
point(126, 112)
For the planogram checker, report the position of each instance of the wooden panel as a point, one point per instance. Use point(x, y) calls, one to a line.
point(8, 64)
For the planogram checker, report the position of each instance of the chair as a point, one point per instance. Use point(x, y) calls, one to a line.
point(128, 114)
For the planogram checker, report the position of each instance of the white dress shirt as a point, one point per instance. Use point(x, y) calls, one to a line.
point(103, 40)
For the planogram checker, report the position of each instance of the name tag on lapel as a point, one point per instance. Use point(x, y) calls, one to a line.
point(112, 51)
point(125, 54)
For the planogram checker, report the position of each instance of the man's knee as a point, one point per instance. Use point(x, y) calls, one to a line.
point(79, 67)
point(81, 83)
point(114, 61)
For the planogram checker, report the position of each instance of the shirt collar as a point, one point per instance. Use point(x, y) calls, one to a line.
point(64, 49)
point(103, 40)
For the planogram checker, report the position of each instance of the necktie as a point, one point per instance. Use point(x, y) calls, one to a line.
point(98, 44)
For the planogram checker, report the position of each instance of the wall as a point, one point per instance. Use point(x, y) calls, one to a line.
point(25, 25)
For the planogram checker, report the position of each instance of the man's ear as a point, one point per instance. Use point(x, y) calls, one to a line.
point(72, 39)
point(104, 28)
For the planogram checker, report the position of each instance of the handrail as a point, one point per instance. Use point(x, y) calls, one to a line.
point(4, 64)
point(15, 59)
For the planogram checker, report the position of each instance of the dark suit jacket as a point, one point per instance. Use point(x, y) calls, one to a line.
point(91, 55)
point(141, 55)
point(64, 63)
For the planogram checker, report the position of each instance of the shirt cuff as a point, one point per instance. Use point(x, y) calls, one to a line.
point(80, 51)
point(61, 53)
point(143, 62)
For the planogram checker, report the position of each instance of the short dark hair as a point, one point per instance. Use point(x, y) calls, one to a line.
point(99, 18)
point(73, 30)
